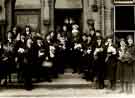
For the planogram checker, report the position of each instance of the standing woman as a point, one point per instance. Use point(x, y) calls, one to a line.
point(110, 62)
point(131, 62)
point(9, 48)
point(99, 65)
point(15, 32)
point(125, 70)
point(28, 66)
point(27, 32)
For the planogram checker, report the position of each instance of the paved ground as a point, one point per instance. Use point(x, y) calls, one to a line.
point(64, 92)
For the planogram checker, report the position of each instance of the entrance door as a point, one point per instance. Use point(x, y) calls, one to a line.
point(68, 16)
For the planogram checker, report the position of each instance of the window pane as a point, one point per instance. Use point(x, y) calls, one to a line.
point(124, 18)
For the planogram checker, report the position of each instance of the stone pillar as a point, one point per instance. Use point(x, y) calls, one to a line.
point(102, 17)
point(9, 13)
point(96, 16)
point(2, 10)
point(52, 8)
point(108, 18)
point(2, 19)
point(45, 18)
point(87, 13)
point(85, 17)
point(89, 9)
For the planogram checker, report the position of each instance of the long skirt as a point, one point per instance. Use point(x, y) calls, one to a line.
point(125, 72)
point(111, 69)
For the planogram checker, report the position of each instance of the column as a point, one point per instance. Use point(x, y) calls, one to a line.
point(102, 17)
point(44, 17)
point(87, 13)
point(52, 8)
point(96, 16)
point(85, 7)
point(2, 19)
point(108, 18)
point(9, 13)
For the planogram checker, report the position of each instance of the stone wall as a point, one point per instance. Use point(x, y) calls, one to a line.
point(2, 10)
point(102, 16)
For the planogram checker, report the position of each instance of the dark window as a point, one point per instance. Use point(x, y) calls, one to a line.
point(124, 18)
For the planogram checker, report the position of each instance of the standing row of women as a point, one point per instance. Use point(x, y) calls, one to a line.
point(88, 53)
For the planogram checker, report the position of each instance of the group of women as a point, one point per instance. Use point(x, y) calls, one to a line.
point(97, 59)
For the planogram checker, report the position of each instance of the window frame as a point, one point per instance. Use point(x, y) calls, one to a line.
point(114, 21)
point(123, 2)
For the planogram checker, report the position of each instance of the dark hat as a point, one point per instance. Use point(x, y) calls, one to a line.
point(99, 38)
point(122, 39)
point(129, 37)
point(98, 31)
point(39, 38)
point(84, 34)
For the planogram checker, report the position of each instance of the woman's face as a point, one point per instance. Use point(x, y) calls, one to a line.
point(130, 41)
point(99, 41)
point(92, 32)
point(14, 29)
point(48, 38)
point(27, 29)
point(84, 38)
point(122, 43)
point(109, 41)
point(52, 34)
point(58, 36)
point(64, 28)
point(9, 35)
point(98, 34)
point(39, 42)
point(89, 38)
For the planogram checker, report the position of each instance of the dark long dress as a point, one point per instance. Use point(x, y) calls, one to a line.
point(125, 69)
point(99, 66)
point(111, 63)
point(28, 68)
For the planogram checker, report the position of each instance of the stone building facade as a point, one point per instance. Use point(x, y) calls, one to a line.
point(45, 15)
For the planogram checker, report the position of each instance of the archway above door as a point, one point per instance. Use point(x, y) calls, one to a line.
point(68, 4)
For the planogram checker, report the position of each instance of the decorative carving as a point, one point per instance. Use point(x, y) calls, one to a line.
point(94, 6)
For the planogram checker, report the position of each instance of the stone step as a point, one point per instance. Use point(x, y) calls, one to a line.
point(66, 80)
point(68, 75)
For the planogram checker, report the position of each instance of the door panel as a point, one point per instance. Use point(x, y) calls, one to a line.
point(32, 20)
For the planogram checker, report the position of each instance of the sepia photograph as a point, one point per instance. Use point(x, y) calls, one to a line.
point(67, 48)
